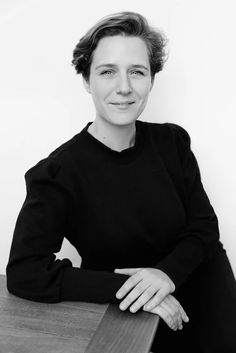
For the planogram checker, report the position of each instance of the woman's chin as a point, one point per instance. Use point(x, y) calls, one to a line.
point(122, 119)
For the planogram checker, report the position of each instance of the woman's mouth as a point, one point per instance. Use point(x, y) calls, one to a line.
point(123, 106)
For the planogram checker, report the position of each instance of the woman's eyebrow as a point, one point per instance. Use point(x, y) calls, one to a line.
point(115, 66)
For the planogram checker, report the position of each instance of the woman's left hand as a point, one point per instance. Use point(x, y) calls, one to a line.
point(144, 284)
point(172, 312)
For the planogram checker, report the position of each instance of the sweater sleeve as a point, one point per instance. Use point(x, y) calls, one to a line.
point(33, 272)
point(198, 239)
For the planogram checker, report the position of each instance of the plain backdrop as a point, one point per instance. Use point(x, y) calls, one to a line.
point(43, 102)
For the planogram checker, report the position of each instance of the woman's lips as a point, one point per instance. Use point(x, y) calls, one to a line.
point(123, 106)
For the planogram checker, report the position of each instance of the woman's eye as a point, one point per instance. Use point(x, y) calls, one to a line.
point(106, 73)
point(138, 73)
point(109, 73)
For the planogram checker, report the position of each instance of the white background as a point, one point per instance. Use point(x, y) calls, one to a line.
point(43, 102)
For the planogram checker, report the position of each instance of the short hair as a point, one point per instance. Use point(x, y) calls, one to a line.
point(126, 24)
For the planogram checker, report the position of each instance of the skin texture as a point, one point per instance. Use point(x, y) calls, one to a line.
point(150, 288)
point(120, 72)
point(146, 285)
point(171, 311)
point(120, 82)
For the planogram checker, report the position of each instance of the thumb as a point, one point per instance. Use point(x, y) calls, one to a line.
point(127, 271)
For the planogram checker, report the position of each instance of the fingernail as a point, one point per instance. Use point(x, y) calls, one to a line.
point(133, 308)
point(118, 295)
point(147, 307)
point(122, 307)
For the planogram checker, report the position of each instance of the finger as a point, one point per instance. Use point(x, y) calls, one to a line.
point(175, 310)
point(183, 313)
point(172, 311)
point(127, 271)
point(157, 299)
point(133, 295)
point(164, 315)
point(179, 322)
point(143, 299)
point(128, 285)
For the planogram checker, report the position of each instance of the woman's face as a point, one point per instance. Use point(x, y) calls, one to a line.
point(120, 79)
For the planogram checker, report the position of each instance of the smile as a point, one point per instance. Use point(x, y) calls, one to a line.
point(123, 106)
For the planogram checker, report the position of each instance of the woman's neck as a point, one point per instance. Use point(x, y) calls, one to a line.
point(115, 137)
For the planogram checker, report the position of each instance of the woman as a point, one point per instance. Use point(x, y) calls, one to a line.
point(128, 196)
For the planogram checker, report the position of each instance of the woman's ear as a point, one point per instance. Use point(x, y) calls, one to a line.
point(86, 85)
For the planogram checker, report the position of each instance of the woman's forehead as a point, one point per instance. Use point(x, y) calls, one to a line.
point(116, 49)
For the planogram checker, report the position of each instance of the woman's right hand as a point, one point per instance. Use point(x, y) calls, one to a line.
point(171, 311)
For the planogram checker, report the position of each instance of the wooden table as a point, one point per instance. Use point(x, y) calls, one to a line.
point(71, 327)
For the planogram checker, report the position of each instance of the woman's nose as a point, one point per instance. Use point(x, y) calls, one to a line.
point(123, 86)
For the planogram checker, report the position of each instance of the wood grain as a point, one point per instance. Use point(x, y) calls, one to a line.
point(27, 326)
point(71, 327)
point(121, 331)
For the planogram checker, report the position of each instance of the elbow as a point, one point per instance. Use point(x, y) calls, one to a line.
point(29, 286)
point(15, 289)
point(15, 285)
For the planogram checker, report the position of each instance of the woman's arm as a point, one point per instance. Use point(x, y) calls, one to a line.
point(43, 222)
point(198, 240)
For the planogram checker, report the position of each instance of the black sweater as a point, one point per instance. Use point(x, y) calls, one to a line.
point(142, 207)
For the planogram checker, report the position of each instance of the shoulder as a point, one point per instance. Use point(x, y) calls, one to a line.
point(168, 131)
point(59, 162)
